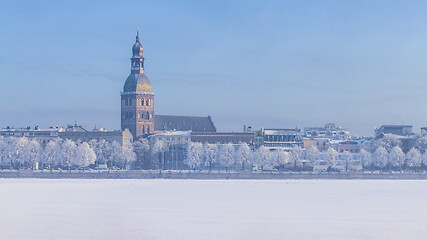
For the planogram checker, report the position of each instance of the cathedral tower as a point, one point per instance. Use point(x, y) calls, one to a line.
point(137, 97)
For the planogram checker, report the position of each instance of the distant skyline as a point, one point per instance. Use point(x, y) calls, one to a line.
point(273, 64)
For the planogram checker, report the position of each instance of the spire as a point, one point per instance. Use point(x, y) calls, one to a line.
point(137, 35)
point(137, 31)
point(137, 60)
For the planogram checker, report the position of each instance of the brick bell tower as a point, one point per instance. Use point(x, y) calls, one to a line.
point(137, 97)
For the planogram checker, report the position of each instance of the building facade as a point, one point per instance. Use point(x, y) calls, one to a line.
point(400, 130)
point(42, 135)
point(224, 137)
point(279, 138)
point(330, 131)
point(78, 133)
point(137, 98)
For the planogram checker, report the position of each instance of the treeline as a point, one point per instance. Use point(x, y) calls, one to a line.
point(387, 153)
point(22, 152)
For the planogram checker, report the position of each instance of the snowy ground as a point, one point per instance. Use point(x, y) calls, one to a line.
point(212, 209)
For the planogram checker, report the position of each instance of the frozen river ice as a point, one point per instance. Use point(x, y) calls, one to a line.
point(212, 209)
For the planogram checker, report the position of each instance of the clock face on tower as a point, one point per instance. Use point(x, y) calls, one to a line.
point(144, 87)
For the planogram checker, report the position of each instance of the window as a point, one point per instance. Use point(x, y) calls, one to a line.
point(142, 102)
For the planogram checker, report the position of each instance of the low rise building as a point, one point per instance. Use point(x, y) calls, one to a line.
point(174, 148)
point(345, 146)
point(330, 131)
point(400, 130)
point(322, 144)
point(279, 138)
point(224, 137)
point(78, 133)
point(43, 135)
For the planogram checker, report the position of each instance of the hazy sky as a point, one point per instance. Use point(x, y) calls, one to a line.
point(281, 64)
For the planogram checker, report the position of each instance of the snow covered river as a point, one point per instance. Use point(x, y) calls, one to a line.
point(212, 209)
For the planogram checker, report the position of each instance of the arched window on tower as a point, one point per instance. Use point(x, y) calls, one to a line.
point(148, 115)
point(130, 101)
point(126, 102)
point(143, 129)
point(142, 102)
point(148, 129)
point(142, 115)
point(146, 103)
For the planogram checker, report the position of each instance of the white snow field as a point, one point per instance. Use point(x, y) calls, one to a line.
point(212, 209)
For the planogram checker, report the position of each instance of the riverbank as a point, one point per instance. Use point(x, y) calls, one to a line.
point(135, 174)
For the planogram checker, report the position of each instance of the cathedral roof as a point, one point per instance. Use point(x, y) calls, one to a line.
point(137, 82)
point(183, 123)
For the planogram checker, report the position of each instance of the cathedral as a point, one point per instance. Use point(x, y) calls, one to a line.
point(137, 105)
point(137, 97)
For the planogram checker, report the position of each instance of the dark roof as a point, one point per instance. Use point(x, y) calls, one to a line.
point(183, 123)
point(396, 126)
point(135, 81)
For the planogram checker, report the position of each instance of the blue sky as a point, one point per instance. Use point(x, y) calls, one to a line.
point(260, 63)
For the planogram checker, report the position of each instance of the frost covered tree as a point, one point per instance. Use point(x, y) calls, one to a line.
point(194, 155)
point(413, 158)
point(116, 157)
point(4, 150)
point(332, 156)
point(128, 156)
point(19, 151)
point(243, 155)
point(102, 151)
point(226, 156)
point(34, 152)
point(388, 141)
point(365, 158)
point(370, 145)
point(210, 154)
point(312, 154)
point(262, 157)
point(51, 154)
point(347, 157)
point(380, 157)
point(296, 155)
point(397, 157)
point(120, 156)
point(84, 155)
point(421, 143)
point(424, 159)
point(281, 158)
point(142, 150)
point(157, 151)
point(68, 148)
